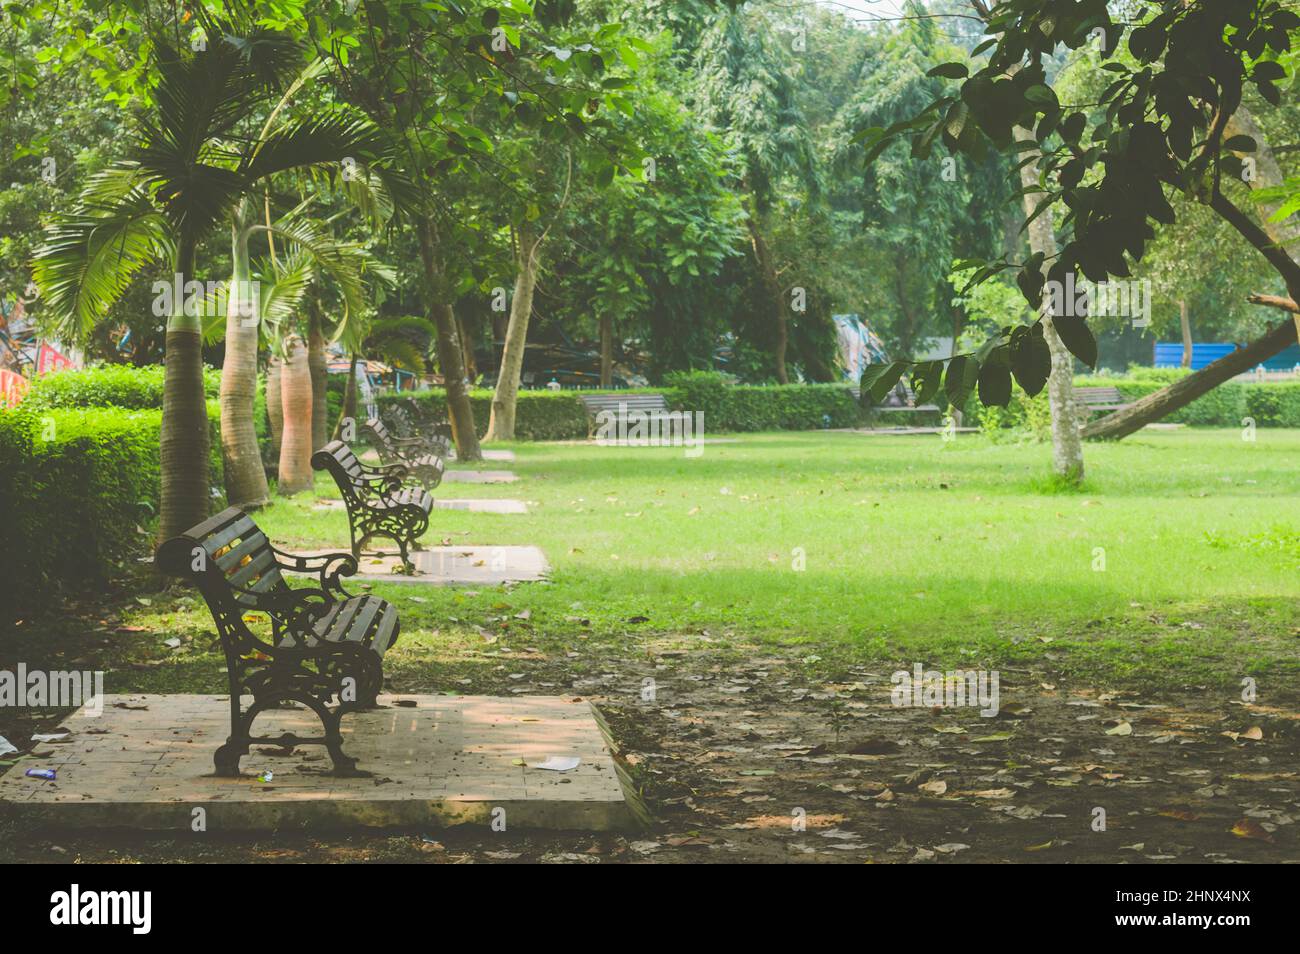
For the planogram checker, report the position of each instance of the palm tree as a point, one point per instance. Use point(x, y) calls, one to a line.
point(187, 172)
point(286, 284)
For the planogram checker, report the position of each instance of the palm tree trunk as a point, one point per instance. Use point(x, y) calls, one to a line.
point(501, 424)
point(1067, 448)
point(772, 288)
point(319, 378)
point(295, 446)
point(184, 439)
point(459, 411)
point(349, 410)
point(246, 486)
point(274, 403)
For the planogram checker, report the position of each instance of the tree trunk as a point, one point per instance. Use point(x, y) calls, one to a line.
point(1067, 449)
point(274, 403)
point(501, 424)
point(467, 346)
point(183, 443)
point(459, 411)
point(246, 485)
point(295, 445)
point(606, 351)
point(1186, 390)
point(1268, 174)
point(1269, 239)
point(772, 288)
point(320, 424)
point(1187, 332)
point(349, 410)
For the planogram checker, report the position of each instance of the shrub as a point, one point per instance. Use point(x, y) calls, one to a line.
point(539, 415)
point(776, 407)
point(1274, 403)
point(75, 484)
point(113, 385)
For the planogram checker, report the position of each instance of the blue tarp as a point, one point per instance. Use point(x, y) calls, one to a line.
point(1169, 354)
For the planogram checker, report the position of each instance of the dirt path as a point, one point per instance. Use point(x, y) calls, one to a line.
point(754, 758)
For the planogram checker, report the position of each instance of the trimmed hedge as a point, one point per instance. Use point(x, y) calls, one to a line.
point(74, 486)
point(776, 407)
point(539, 415)
point(1269, 403)
point(114, 385)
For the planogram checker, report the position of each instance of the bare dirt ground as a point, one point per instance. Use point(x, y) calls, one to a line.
point(759, 757)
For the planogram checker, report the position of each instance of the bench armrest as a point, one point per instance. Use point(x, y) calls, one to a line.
point(329, 566)
point(380, 481)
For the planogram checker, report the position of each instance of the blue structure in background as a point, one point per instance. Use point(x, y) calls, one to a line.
point(1169, 354)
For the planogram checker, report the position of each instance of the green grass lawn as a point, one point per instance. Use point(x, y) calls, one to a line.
point(912, 548)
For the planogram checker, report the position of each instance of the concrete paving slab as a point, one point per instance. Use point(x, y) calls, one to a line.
point(483, 505)
point(479, 477)
point(451, 566)
point(434, 761)
point(506, 456)
point(473, 505)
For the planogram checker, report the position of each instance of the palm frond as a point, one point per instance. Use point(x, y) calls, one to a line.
point(347, 143)
point(90, 257)
point(282, 287)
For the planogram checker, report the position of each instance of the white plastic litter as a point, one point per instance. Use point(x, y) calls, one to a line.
point(558, 763)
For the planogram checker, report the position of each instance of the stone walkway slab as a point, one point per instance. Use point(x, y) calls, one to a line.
point(483, 505)
point(506, 456)
point(479, 477)
point(474, 505)
point(450, 566)
point(146, 762)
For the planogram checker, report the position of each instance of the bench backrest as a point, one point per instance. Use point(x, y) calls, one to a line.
point(1101, 395)
point(230, 560)
point(342, 464)
point(595, 403)
point(380, 432)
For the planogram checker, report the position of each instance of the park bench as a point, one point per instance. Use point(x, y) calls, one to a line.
point(620, 404)
point(413, 424)
point(411, 453)
point(377, 503)
point(325, 647)
point(901, 398)
point(1099, 399)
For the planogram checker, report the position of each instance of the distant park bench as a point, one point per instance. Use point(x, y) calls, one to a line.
point(619, 403)
point(901, 398)
point(411, 452)
point(415, 424)
point(377, 503)
point(1100, 399)
point(325, 647)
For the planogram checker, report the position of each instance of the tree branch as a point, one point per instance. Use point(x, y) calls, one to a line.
point(1275, 301)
